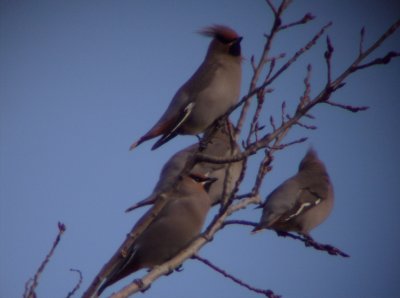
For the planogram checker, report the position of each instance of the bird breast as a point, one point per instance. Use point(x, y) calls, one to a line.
point(215, 99)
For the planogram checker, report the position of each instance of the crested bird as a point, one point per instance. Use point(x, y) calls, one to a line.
point(209, 93)
point(302, 202)
point(178, 223)
point(221, 144)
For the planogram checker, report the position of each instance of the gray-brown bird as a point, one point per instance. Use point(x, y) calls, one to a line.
point(211, 91)
point(302, 202)
point(220, 145)
point(176, 225)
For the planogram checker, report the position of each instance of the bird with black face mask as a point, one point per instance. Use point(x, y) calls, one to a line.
point(211, 91)
point(177, 224)
point(302, 202)
point(222, 145)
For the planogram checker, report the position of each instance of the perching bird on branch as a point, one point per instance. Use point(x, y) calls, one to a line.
point(221, 144)
point(211, 91)
point(178, 223)
point(302, 202)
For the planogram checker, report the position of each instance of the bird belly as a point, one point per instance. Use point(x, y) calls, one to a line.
point(211, 103)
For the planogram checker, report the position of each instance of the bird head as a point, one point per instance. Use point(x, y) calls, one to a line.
point(225, 40)
point(203, 180)
point(311, 162)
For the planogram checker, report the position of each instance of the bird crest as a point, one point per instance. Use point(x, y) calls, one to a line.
point(221, 32)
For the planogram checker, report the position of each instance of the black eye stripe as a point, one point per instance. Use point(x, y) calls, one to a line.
point(223, 39)
point(234, 49)
point(197, 178)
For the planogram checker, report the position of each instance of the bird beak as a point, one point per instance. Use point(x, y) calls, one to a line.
point(238, 40)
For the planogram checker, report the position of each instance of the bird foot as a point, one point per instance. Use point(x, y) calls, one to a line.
point(141, 285)
point(281, 233)
point(207, 237)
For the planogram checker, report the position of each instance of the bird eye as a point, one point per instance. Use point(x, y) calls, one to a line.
point(197, 178)
point(223, 39)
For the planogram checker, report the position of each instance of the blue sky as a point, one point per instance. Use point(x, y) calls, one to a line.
point(80, 81)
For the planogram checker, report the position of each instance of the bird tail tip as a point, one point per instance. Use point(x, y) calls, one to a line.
point(134, 145)
point(256, 230)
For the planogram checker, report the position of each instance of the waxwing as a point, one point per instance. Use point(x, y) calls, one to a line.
point(222, 145)
point(302, 202)
point(211, 91)
point(175, 226)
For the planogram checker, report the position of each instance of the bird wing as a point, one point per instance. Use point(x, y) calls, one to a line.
point(179, 120)
point(120, 270)
point(147, 201)
point(285, 203)
point(305, 200)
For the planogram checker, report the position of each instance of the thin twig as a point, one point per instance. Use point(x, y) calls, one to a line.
point(239, 222)
point(305, 98)
point(260, 66)
point(304, 20)
point(328, 58)
point(347, 107)
point(306, 126)
point(30, 290)
point(383, 60)
point(267, 293)
point(309, 241)
point(361, 45)
point(282, 146)
point(254, 122)
point(77, 286)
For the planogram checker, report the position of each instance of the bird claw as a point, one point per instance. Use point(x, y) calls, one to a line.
point(281, 233)
point(141, 285)
point(207, 237)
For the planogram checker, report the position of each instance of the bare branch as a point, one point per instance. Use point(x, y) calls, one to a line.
point(239, 222)
point(304, 20)
point(252, 62)
point(383, 60)
point(272, 122)
point(30, 290)
point(267, 293)
point(254, 123)
point(271, 6)
point(263, 60)
point(254, 90)
point(283, 112)
point(309, 241)
point(328, 58)
point(312, 127)
point(282, 146)
point(361, 46)
point(365, 54)
point(76, 288)
point(347, 107)
point(305, 98)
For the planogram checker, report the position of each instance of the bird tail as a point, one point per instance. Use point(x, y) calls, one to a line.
point(147, 201)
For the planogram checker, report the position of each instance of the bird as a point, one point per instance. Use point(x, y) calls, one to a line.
point(221, 144)
point(302, 202)
point(208, 94)
point(178, 223)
